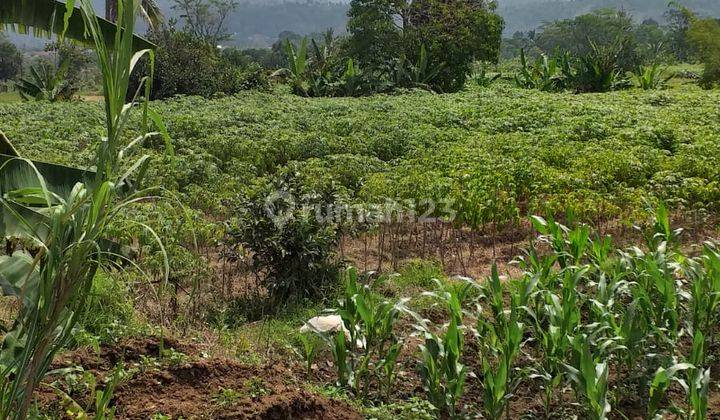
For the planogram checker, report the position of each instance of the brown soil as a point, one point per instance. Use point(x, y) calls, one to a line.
point(192, 390)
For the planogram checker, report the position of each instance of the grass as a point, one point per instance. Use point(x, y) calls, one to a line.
point(9, 97)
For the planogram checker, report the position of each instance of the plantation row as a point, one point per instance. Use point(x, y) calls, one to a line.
point(628, 330)
point(498, 153)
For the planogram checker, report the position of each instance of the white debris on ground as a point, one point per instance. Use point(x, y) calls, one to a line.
point(325, 324)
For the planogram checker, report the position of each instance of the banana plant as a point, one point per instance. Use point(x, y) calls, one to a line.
point(53, 282)
point(651, 77)
point(46, 84)
point(483, 80)
point(544, 74)
point(296, 72)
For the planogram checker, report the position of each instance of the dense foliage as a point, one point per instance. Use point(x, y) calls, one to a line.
point(186, 64)
point(453, 35)
point(10, 59)
point(602, 154)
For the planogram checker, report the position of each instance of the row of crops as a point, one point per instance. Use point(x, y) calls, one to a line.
point(498, 154)
point(589, 330)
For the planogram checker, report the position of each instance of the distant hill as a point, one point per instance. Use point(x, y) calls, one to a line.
point(523, 15)
point(257, 23)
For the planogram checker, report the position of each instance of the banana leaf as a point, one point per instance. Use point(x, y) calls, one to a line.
point(47, 17)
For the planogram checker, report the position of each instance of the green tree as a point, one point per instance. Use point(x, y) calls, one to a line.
point(704, 36)
point(455, 34)
point(375, 32)
point(678, 19)
point(10, 59)
point(206, 19)
point(580, 35)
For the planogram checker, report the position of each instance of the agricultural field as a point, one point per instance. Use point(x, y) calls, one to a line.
point(460, 304)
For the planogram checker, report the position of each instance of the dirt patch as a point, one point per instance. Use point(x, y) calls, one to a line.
point(200, 388)
point(224, 389)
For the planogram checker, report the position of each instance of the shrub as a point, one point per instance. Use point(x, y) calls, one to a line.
point(292, 245)
point(209, 74)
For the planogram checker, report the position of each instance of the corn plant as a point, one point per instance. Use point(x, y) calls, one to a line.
point(698, 379)
point(590, 376)
point(554, 323)
point(53, 283)
point(658, 389)
point(500, 336)
point(704, 279)
point(651, 77)
point(443, 375)
point(374, 347)
point(309, 351)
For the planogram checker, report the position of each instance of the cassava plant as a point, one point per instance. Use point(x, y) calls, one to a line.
point(53, 281)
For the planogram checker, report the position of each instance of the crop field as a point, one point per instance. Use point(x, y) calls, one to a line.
point(560, 321)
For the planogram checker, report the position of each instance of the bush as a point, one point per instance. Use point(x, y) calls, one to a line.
point(209, 74)
point(291, 246)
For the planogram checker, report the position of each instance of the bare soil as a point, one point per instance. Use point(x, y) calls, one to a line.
point(193, 389)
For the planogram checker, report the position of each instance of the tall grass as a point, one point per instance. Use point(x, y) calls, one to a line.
point(53, 277)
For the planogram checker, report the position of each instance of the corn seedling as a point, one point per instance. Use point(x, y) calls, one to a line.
point(309, 351)
point(658, 389)
point(442, 374)
point(374, 347)
point(500, 336)
point(590, 376)
point(698, 379)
